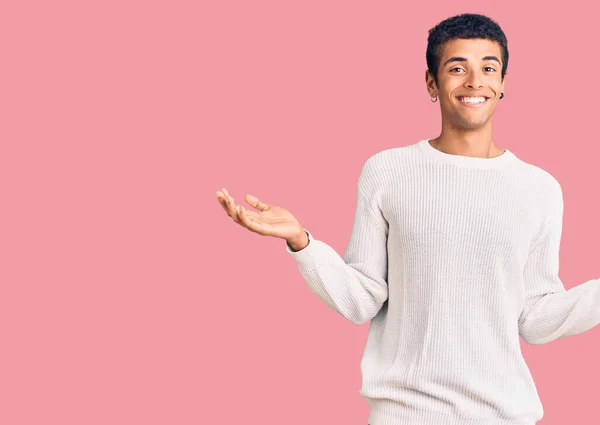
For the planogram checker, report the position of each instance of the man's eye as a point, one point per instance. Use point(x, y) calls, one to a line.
point(486, 68)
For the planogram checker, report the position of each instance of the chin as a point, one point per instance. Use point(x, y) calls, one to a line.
point(469, 125)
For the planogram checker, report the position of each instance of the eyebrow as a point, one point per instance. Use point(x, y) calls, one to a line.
point(461, 59)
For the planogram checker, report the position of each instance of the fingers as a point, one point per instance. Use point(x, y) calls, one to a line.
point(246, 221)
point(241, 215)
point(222, 201)
point(228, 204)
point(256, 203)
point(245, 218)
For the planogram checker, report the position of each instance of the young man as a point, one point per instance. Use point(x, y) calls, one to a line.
point(454, 254)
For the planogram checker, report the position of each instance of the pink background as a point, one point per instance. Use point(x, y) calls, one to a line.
point(127, 296)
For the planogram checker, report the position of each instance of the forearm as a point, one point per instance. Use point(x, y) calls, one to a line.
point(357, 291)
point(561, 314)
point(354, 285)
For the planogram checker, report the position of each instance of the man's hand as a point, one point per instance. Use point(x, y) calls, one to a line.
point(269, 220)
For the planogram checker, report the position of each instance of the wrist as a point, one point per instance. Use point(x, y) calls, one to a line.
point(299, 242)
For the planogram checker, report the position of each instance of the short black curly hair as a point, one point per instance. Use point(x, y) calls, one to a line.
point(463, 26)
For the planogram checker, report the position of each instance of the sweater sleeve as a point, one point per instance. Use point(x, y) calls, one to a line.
point(356, 285)
point(550, 311)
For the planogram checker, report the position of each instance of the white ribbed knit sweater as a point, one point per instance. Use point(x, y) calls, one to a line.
point(451, 258)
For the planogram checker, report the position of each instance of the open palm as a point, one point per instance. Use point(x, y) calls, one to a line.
point(268, 220)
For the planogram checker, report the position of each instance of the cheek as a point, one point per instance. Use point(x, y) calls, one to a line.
point(496, 86)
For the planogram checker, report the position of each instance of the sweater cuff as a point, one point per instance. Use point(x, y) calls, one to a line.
point(307, 257)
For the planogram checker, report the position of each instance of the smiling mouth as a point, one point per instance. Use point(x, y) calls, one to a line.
point(473, 101)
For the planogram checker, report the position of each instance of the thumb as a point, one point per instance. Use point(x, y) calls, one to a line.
point(256, 203)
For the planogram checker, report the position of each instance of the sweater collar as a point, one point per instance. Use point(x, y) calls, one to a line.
point(501, 160)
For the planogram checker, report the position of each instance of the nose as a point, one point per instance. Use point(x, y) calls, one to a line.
point(474, 82)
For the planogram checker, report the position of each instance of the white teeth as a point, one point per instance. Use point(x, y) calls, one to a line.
point(472, 99)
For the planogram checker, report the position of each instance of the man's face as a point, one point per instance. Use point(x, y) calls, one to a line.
point(468, 70)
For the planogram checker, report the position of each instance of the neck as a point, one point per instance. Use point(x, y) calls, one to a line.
point(474, 143)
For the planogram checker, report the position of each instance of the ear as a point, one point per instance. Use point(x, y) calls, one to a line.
point(430, 83)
